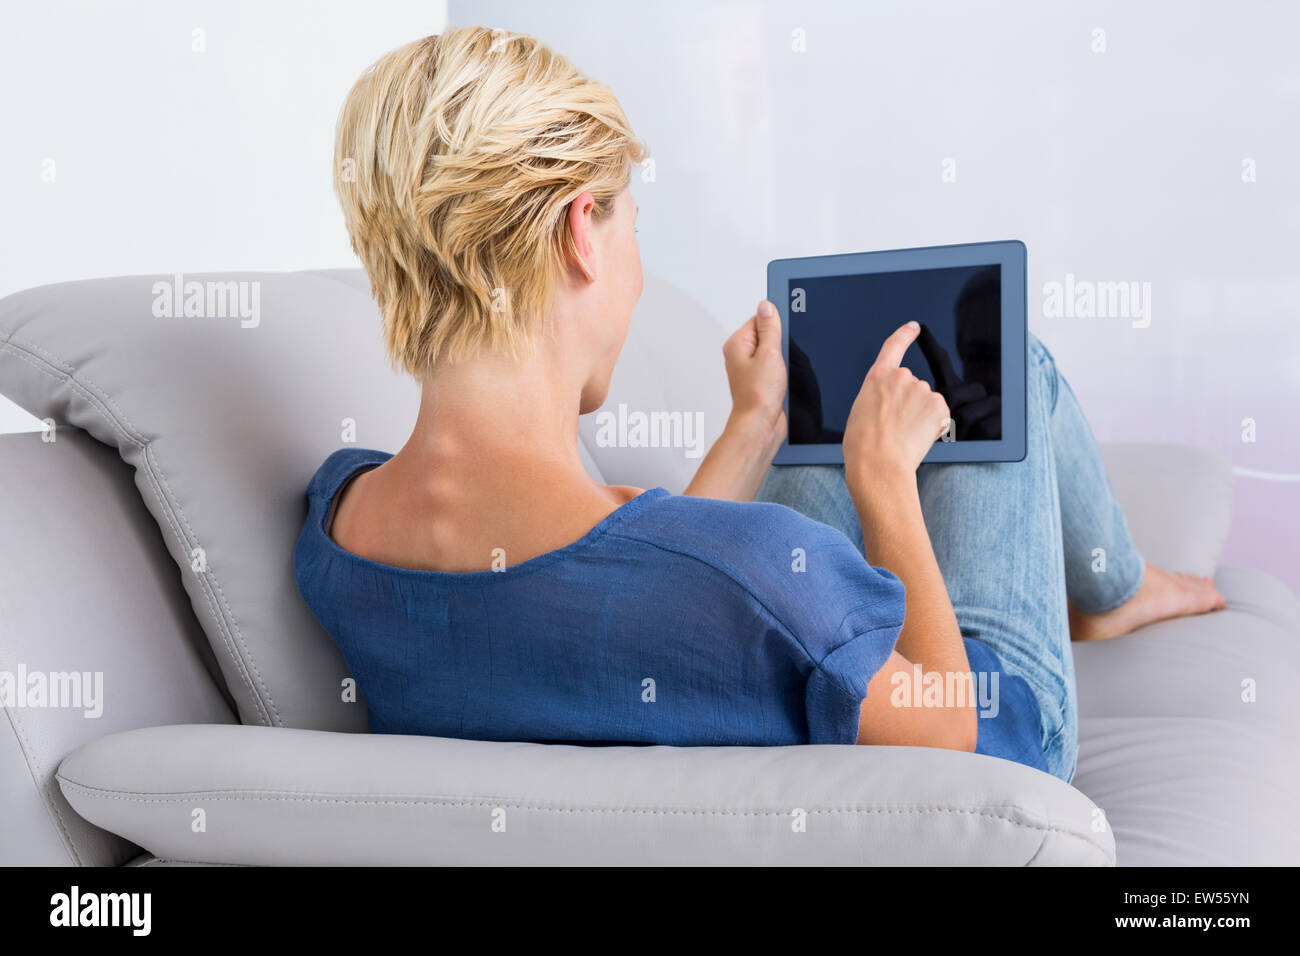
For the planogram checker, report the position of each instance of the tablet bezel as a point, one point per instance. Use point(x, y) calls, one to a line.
point(1010, 254)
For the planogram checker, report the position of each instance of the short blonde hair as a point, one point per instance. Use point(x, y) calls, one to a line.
point(456, 157)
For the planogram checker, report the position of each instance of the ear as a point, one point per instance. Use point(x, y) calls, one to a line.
point(580, 213)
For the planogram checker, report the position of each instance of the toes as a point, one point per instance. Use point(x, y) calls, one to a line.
point(1214, 598)
point(1205, 596)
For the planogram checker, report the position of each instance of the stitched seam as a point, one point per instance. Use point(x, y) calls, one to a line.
point(1041, 843)
point(300, 797)
point(216, 585)
point(34, 768)
point(488, 800)
point(37, 352)
point(207, 582)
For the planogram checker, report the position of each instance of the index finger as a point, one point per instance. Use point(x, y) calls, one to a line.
point(895, 347)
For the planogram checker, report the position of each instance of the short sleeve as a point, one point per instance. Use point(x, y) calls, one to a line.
point(837, 686)
point(846, 615)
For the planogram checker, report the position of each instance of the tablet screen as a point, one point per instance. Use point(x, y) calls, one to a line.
point(838, 323)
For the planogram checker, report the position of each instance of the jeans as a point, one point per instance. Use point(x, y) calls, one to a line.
point(1013, 539)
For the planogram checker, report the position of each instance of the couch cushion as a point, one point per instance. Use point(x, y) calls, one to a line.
point(268, 794)
point(1177, 500)
point(86, 587)
point(1188, 730)
point(1184, 791)
point(1239, 664)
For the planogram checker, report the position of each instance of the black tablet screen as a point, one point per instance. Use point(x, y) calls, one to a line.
point(838, 323)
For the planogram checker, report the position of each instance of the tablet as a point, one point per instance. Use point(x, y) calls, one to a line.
point(836, 312)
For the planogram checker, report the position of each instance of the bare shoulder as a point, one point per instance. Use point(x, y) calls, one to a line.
point(347, 517)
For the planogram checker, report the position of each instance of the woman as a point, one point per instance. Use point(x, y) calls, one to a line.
point(482, 585)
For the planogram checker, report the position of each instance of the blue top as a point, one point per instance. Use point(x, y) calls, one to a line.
point(675, 620)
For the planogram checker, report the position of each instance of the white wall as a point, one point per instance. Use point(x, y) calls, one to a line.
point(167, 159)
point(1118, 165)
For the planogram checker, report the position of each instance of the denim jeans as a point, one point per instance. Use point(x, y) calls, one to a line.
point(1013, 539)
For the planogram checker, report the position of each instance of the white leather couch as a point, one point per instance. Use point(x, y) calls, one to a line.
point(148, 546)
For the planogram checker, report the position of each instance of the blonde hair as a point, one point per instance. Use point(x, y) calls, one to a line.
point(456, 157)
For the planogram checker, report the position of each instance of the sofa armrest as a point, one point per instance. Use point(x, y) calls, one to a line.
point(274, 796)
point(1177, 499)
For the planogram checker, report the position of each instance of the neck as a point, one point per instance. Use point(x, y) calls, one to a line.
point(500, 419)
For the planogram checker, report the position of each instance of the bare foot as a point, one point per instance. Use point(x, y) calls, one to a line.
point(1162, 595)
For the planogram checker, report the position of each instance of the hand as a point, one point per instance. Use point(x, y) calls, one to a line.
point(756, 372)
point(735, 465)
point(896, 417)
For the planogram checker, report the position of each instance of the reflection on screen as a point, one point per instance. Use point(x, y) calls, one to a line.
point(838, 323)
